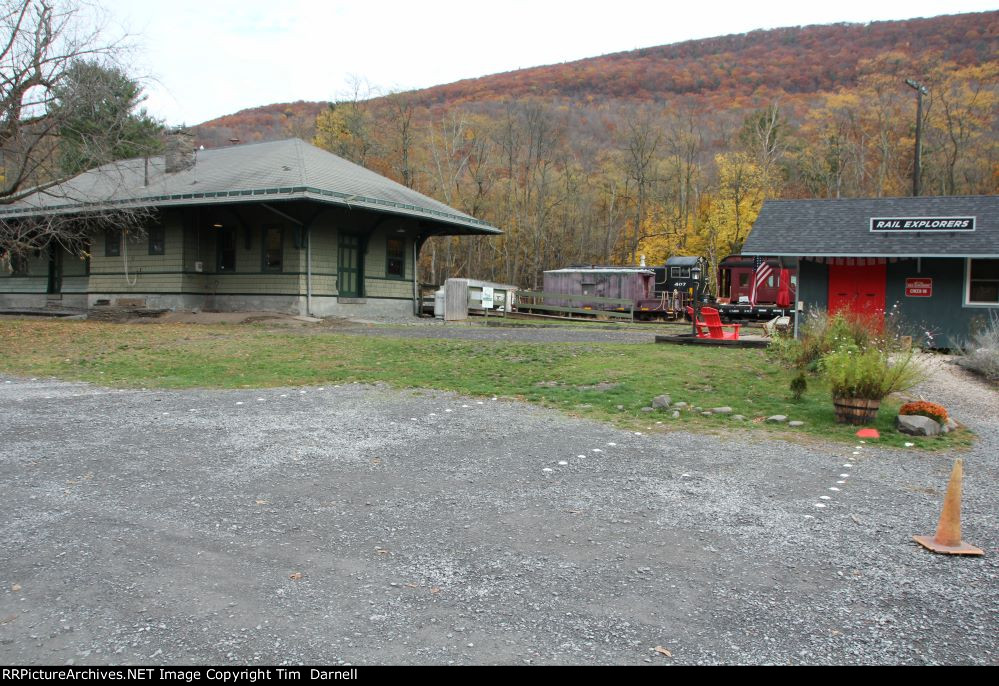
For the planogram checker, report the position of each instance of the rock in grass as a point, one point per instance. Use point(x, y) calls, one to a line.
point(722, 410)
point(707, 414)
point(680, 405)
point(676, 414)
point(738, 418)
point(661, 402)
point(647, 409)
point(777, 419)
point(796, 424)
point(915, 425)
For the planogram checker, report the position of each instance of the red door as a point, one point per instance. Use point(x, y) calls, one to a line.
point(857, 289)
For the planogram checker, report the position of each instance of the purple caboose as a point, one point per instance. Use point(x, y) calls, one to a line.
point(626, 283)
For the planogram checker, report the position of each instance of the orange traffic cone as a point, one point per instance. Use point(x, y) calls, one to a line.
point(948, 539)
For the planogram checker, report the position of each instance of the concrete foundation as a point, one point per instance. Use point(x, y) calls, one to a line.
point(23, 300)
point(322, 306)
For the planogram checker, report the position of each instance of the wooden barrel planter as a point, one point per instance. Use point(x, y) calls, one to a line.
point(856, 410)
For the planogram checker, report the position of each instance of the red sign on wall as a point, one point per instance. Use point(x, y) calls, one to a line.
point(919, 288)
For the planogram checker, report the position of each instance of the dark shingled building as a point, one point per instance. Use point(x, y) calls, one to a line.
point(932, 260)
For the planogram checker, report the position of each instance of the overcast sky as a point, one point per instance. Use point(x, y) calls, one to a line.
point(201, 59)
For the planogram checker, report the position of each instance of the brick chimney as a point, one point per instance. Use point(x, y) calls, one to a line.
point(180, 154)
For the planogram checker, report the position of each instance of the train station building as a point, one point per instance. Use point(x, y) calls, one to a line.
point(933, 262)
point(280, 226)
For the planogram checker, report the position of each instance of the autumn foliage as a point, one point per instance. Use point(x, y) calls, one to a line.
point(673, 149)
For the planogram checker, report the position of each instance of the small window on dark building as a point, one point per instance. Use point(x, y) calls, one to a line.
point(395, 257)
point(112, 243)
point(225, 250)
point(273, 249)
point(983, 286)
point(157, 240)
point(743, 279)
point(679, 272)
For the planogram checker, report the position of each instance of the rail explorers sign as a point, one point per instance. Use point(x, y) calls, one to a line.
point(903, 224)
point(919, 288)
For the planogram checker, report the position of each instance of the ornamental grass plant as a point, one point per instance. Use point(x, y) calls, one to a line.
point(981, 353)
point(821, 334)
point(870, 374)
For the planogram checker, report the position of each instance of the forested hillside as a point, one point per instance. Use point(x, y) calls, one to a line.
point(672, 149)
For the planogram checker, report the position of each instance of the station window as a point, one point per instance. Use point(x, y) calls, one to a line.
point(273, 249)
point(112, 243)
point(225, 251)
point(157, 240)
point(983, 282)
point(395, 257)
point(19, 264)
point(679, 272)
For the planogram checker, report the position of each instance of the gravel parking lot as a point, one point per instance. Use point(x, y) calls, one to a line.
point(172, 527)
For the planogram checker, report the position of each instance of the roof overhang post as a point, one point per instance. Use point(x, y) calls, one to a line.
point(308, 270)
point(418, 241)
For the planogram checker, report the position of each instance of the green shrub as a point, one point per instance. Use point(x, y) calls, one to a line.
point(868, 374)
point(799, 385)
point(821, 334)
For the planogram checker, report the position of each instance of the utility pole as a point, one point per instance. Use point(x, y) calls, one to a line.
point(921, 90)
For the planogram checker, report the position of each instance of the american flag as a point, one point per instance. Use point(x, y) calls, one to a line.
point(761, 272)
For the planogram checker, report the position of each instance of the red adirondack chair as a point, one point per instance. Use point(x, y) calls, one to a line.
point(702, 328)
point(712, 320)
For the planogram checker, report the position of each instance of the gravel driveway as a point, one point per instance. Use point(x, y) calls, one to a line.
point(164, 527)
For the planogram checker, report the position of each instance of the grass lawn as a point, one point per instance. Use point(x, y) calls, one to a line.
point(609, 382)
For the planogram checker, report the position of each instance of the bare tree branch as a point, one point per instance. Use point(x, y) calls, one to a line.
point(59, 87)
